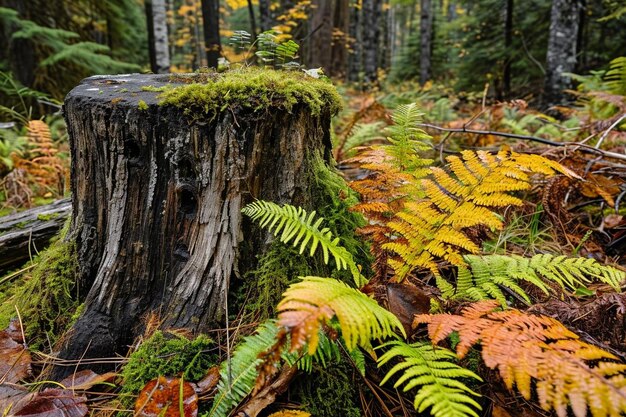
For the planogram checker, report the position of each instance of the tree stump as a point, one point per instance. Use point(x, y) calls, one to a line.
point(161, 167)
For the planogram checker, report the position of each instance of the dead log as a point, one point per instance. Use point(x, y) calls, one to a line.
point(161, 167)
point(25, 233)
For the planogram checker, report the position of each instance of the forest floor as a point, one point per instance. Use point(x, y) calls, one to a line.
point(580, 214)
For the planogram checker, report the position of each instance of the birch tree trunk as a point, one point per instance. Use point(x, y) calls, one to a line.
point(157, 198)
point(157, 36)
point(561, 55)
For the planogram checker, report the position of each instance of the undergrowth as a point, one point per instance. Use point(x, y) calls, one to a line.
point(47, 296)
point(166, 354)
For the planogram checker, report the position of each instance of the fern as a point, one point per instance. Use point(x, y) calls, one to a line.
point(308, 305)
point(361, 134)
point(526, 348)
point(429, 368)
point(434, 228)
point(490, 272)
point(238, 376)
point(395, 169)
point(248, 358)
point(407, 140)
point(615, 78)
point(301, 228)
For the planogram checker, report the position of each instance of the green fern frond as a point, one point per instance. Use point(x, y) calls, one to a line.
point(488, 274)
point(313, 302)
point(407, 140)
point(238, 377)
point(615, 78)
point(295, 225)
point(430, 369)
point(361, 134)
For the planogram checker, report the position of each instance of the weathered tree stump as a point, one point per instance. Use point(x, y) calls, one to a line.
point(23, 234)
point(161, 167)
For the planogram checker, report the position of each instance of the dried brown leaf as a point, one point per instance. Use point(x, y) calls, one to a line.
point(162, 397)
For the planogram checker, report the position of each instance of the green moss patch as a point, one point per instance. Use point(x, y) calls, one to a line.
point(167, 354)
point(45, 298)
point(253, 88)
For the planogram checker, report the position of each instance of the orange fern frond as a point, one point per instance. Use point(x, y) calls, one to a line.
point(527, 349)
point(44, 167)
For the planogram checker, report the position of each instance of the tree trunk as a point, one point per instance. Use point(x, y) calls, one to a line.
point(211, 19)
point(320, 40)
point(508, 43)
point(355, 58)
point(265, 15)
point(339, 38)
point(372, 15)
point(157, 200)
point(23, 234)
point(426, 36)
point(561, 55)
point(156, 17)
point(252, 20)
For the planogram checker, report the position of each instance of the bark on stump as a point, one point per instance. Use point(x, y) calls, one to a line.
point(157, 198)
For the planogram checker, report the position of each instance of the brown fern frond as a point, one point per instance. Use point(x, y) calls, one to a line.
point(537, 351)
point(436, 227)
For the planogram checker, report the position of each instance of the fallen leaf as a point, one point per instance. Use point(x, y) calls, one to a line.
point(54, 402)
point(161, 397)
point(14, 359)
point(209, 382)
point(12, 397)
point(600, 186)
point(85, 379)
point(405, 301)
point(613, 220)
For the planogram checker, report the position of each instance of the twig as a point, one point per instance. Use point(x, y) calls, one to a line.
point(583, 147)
point(606, 132)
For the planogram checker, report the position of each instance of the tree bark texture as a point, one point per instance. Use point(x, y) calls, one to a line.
point(426, 40)
point(211, 22)
point(561, 55)
point(23, 234)
point(372, 15)
point(157, 36)
point(355, 57)
point(265, 15)
point(321, 27)
point(157, 201)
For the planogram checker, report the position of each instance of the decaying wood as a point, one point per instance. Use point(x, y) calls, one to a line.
point(25, 233)
point(157, 198)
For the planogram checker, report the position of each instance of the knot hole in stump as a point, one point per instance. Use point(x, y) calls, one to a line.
point(187, 201)
point(132, 151)
point(186, 170)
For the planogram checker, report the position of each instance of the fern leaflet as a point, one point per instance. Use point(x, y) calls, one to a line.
point(309, 304)
point(295, 225)
point(490, 272)
point(429, 368)
point(526, 348)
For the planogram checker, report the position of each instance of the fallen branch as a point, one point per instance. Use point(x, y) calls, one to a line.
point(582, 146)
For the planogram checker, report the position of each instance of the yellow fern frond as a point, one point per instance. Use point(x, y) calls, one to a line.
point(464, 197)
point(311, 303)
point(537, 351)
